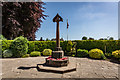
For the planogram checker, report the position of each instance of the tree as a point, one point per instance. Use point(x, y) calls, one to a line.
point(47, 39)
point(91, 38)
point(21, 18)
point(41, 39)
point(101, 39)
point(84, 38)
point(61, 39)
point(111, 38)
point(105, 39)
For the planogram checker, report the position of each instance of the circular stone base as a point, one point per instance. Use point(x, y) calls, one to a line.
point(57, 63)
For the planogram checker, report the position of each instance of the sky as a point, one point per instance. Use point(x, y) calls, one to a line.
point(90, 19)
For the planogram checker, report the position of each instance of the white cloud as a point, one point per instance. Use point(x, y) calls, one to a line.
point(94, 15)
point(90, 11)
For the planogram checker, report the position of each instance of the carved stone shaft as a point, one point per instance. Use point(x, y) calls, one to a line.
point(57, 35)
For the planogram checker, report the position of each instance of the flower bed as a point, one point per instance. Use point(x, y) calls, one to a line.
point(50, 58)
point(57, 62)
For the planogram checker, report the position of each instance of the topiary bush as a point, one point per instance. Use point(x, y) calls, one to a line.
point(47, 52)
point(19, 46)
point(35, 54)
point(82, 52)
point(7, 53)
point(116, 54)
point(26, 55)
point(96, 53)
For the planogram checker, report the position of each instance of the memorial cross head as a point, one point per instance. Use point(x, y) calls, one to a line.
point(57, 18)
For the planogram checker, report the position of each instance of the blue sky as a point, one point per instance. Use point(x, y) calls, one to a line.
point(90, 19)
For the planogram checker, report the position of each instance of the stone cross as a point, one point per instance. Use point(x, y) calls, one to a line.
point(57, 19)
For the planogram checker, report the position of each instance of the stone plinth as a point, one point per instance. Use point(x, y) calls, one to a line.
point(57, 59)
point(64, 69)
point(57, 54)
point(56, 62)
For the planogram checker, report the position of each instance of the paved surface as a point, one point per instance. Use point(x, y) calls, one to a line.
point(86, 68)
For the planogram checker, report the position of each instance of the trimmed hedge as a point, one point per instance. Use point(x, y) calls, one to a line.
point(108, 54)
point(67, 46)
point(111, 45)
point(41, 45)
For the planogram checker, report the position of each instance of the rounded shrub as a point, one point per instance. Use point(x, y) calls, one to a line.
point(47, 52)
point(19, 46)
point(35, 54)
point(7, 53)
point(96, 53)
point(116, 54)
point(26, 55)
point(82, 52)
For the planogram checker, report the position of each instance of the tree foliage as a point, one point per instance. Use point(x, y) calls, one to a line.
point(90, 38)
point(111, 38)
point(84, 38)
point(22, 18)
point(101, 39)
